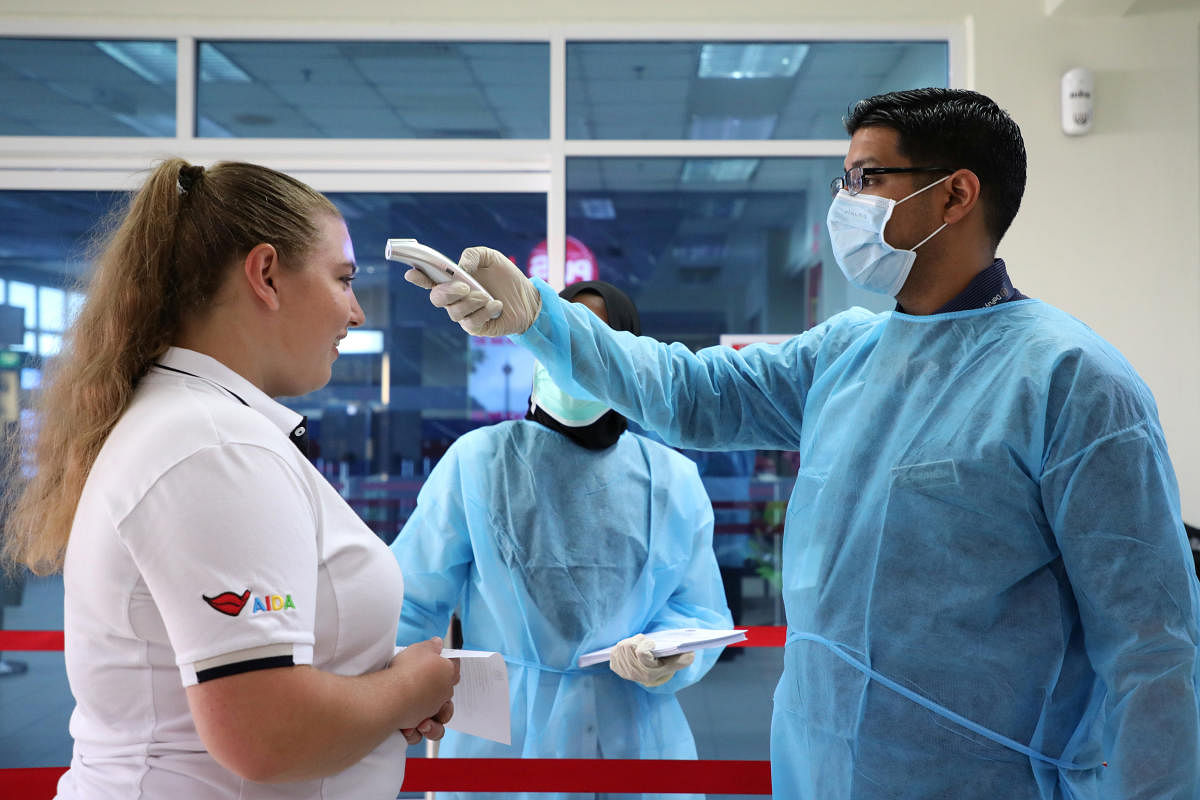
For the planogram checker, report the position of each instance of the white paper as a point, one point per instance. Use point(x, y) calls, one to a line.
point(481, 695)
point(674, 641)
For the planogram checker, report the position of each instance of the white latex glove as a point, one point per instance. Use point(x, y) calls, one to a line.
point(513, 293)
point(633, 660)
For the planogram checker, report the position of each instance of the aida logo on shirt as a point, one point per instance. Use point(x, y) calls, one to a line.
point(229, 603)
point(272, 602)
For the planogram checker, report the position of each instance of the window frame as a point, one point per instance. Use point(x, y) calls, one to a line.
point(532, 165)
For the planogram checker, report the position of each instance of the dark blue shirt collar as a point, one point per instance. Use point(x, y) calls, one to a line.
point(989, 288)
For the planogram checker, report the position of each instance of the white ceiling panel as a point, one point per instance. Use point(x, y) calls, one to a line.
point(501, 96)
point(641, 174)
point(380, 124)
point(307, 94)
point(518, 124)
point(408, 99)
point(432, 72)
point(449, 120)
point(236, 49)
point(216, 100)
point(330, 72)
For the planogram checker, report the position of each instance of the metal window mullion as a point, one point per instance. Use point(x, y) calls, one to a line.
point(556, 198)
point(185, 90)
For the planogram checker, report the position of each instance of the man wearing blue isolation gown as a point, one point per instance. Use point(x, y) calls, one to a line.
point(987, 583)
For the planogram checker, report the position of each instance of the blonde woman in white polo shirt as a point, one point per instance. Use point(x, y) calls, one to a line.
point(229, 620)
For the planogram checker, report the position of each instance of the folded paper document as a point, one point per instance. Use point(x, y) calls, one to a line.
point(674, 641)
point(481, 695)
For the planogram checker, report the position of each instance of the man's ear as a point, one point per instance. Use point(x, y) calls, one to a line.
point(962, 195)
point(260, 267)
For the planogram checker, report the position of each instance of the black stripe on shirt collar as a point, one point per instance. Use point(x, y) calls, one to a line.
point(299, 434)
point(234, 394)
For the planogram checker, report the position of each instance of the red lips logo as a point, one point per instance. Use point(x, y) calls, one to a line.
point(228, 602)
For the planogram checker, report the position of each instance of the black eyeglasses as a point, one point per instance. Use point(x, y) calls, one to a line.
point(852, 180)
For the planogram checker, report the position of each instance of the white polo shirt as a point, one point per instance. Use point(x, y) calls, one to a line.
point(205, 544)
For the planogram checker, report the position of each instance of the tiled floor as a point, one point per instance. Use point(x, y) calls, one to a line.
point(729, 711)
point(36, 705)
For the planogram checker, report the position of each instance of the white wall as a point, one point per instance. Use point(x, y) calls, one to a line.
point(1110, 226)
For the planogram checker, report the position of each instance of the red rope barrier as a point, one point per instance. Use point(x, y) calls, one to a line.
point(762, 636)
point(514, 775)
point(586, 775)
point(33, 783)
point(756, 636)
point(31, 640)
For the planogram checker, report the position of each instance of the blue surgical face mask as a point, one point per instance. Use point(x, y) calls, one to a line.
point(570, 411)
point(856, 223)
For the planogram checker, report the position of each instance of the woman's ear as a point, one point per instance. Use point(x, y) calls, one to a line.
point(260, 267)
point(963, 194)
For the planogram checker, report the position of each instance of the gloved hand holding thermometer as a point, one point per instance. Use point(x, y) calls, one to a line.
point(498, 301)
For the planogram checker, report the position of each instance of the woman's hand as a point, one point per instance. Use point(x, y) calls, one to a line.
point(433, 728)
point(429, 680)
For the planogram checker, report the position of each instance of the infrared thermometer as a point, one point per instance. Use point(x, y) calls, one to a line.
point(437, 267)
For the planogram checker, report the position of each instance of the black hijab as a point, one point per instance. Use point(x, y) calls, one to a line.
point(622, 316)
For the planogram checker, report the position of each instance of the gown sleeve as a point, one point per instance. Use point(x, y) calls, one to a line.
point(716, 399)
point(434, 552)
point(698, 600)
point(1113, 504)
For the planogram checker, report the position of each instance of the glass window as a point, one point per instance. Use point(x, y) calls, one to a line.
point(40, 257)
point(390, 412)
point(711, 246)
point(45, 256)
point(24, 295)
point(49, 344)
point(87, 87)
point(74, 303)
point(736, 90)
point(51, 308)
point(373, 90)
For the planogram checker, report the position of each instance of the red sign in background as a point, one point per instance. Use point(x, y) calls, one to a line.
point(579, 265)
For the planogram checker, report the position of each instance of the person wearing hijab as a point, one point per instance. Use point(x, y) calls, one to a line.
point(560, 534)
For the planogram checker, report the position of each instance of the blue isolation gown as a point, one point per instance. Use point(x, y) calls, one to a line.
point(553, 551)
point(988, 589)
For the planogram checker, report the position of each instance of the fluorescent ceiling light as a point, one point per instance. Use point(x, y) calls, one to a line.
point(153, 61)
point(718, 170)
point(733, 127)
point(598, 208)
point(361, 341)
point(751, 60)
point(215, 67)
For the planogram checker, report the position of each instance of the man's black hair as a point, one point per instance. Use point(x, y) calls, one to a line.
point(960, 129)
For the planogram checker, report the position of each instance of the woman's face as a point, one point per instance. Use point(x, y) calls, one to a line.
point(594, 302)
point(319, 309)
